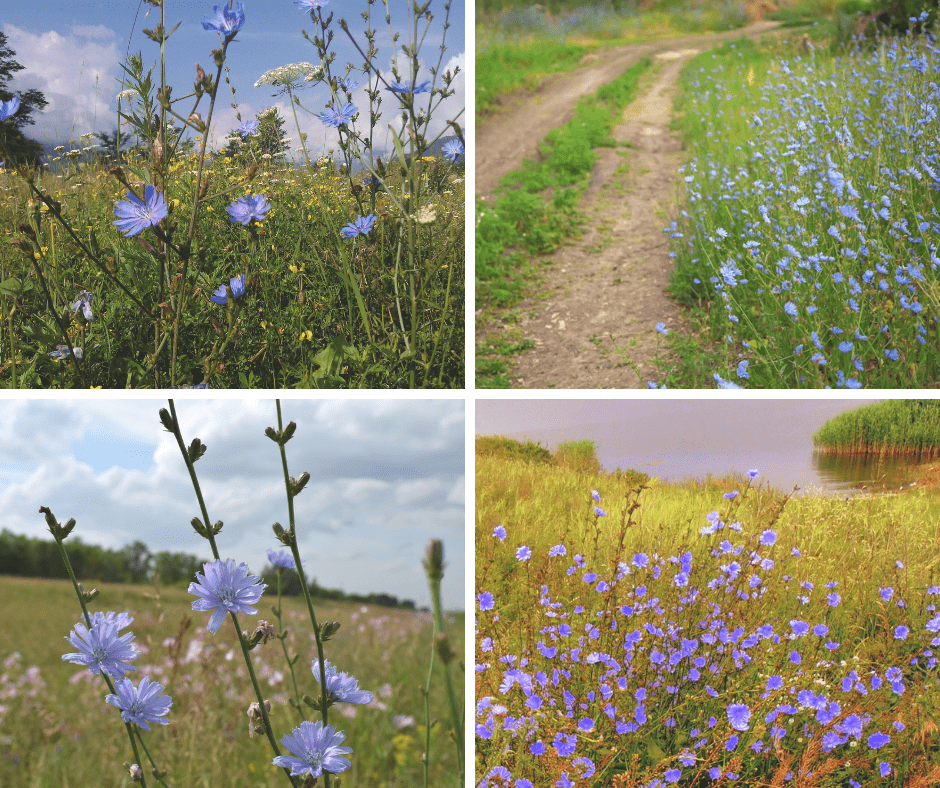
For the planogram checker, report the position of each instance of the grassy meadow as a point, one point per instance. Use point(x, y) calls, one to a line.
point(631, 632)
point(58, 731)
point(315, 314)
point(808, 238)
point(234, 268)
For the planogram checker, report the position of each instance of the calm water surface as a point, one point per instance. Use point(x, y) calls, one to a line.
point(682, 439)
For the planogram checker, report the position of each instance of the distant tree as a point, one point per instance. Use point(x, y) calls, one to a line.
point(174, 568)
point(15, 147)
point(139, 561)
point(270, 138)
point(108, 149)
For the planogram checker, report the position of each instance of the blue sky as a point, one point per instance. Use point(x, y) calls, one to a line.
point(386, 477)
point(72, 53)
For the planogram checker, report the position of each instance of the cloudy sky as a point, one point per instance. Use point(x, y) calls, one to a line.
point(72, 52)
point(386, 477)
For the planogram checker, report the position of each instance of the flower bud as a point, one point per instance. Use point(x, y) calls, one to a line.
point(217, 527)
point(135, 772)
point(328, 629)
point(298, 484)
point(199, 528)
point(167, 420)
point(262, 634)
point(289, 431)
point(434, 559)
point(67, 528)
point(196, 449)
point(273, 434)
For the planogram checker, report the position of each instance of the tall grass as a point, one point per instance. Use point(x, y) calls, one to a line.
point(696, 637)
point(809, 232)
point(57, 730)
point(351, 277)
point(895, 427)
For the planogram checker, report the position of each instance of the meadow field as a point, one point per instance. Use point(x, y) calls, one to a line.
point(242, 267)
point(630, 632)
point(58, 731)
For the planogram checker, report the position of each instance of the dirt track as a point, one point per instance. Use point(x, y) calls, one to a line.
point(606, 290)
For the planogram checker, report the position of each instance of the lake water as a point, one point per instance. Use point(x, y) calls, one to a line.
point(682, 439)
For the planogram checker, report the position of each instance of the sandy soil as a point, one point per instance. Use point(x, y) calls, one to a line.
point(606, 290)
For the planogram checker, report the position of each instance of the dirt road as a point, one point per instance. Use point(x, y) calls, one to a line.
point(606, 290)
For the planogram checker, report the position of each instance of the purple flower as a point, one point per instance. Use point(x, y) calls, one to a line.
point(523, 553)
point(135, 216)
point(599, 512)
point(672, 775)
point(236, 283)
point(486, 600)
point(596, 496)
point(316, 749)
point(661, 328)
point(901, 632)
point(101, 649)
point(401, 88)
point(768, 538)
point(244, 209)
point(141, 705)
point(226, 21)
point(309, 5)
point(877, 740)
point(84, 303)
point(341, 687)
point(558, 549)
point(884, 768)
point(587, 724)
point(339, 116)
point(453, 150)
point(499, 532)
point(282, 559)
point(739, 715)
point(9, 108)
point(248, 127)
point(226, 588)
point(362, 226)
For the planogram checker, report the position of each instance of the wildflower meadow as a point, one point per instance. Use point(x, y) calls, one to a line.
point(175, 265)
point(808, 236)
point(635, 633)
point(226, 683)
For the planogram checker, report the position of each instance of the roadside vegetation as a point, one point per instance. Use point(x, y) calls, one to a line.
point(717, 632)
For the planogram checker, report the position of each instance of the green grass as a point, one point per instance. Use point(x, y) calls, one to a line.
point(786, 246)
point(895, 427)
point(318, 313)
point(60, 732)
point(874, 552)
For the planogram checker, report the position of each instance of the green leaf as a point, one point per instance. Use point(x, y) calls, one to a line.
point(15, 287)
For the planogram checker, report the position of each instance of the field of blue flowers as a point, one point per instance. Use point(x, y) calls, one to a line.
point(731, 647)
point(809, 226)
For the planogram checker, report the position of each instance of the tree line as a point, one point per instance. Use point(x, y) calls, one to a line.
point(24, 556)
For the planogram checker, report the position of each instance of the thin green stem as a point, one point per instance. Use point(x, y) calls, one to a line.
point(290, 662)
point(303, 580)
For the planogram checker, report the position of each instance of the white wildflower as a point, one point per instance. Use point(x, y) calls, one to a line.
point(287, 75)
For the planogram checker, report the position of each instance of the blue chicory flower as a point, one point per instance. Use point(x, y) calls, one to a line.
point(282, 559)
point(237, 285)
point(453, 150)
point(401, 88)
point(84, 303)
point(244, 209)
point(135, 216)
point(339, 116)
point(225, 588)
point(101, 650)
point(140, 705)
point(316, 749)
point(8, 108)
point(340, 687)
point(226, 21)
point(362, 226)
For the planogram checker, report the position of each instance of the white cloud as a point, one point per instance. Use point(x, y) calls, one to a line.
point(75, 72)
point(386, 476)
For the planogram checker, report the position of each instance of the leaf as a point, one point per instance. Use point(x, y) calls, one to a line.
point(15, 287)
